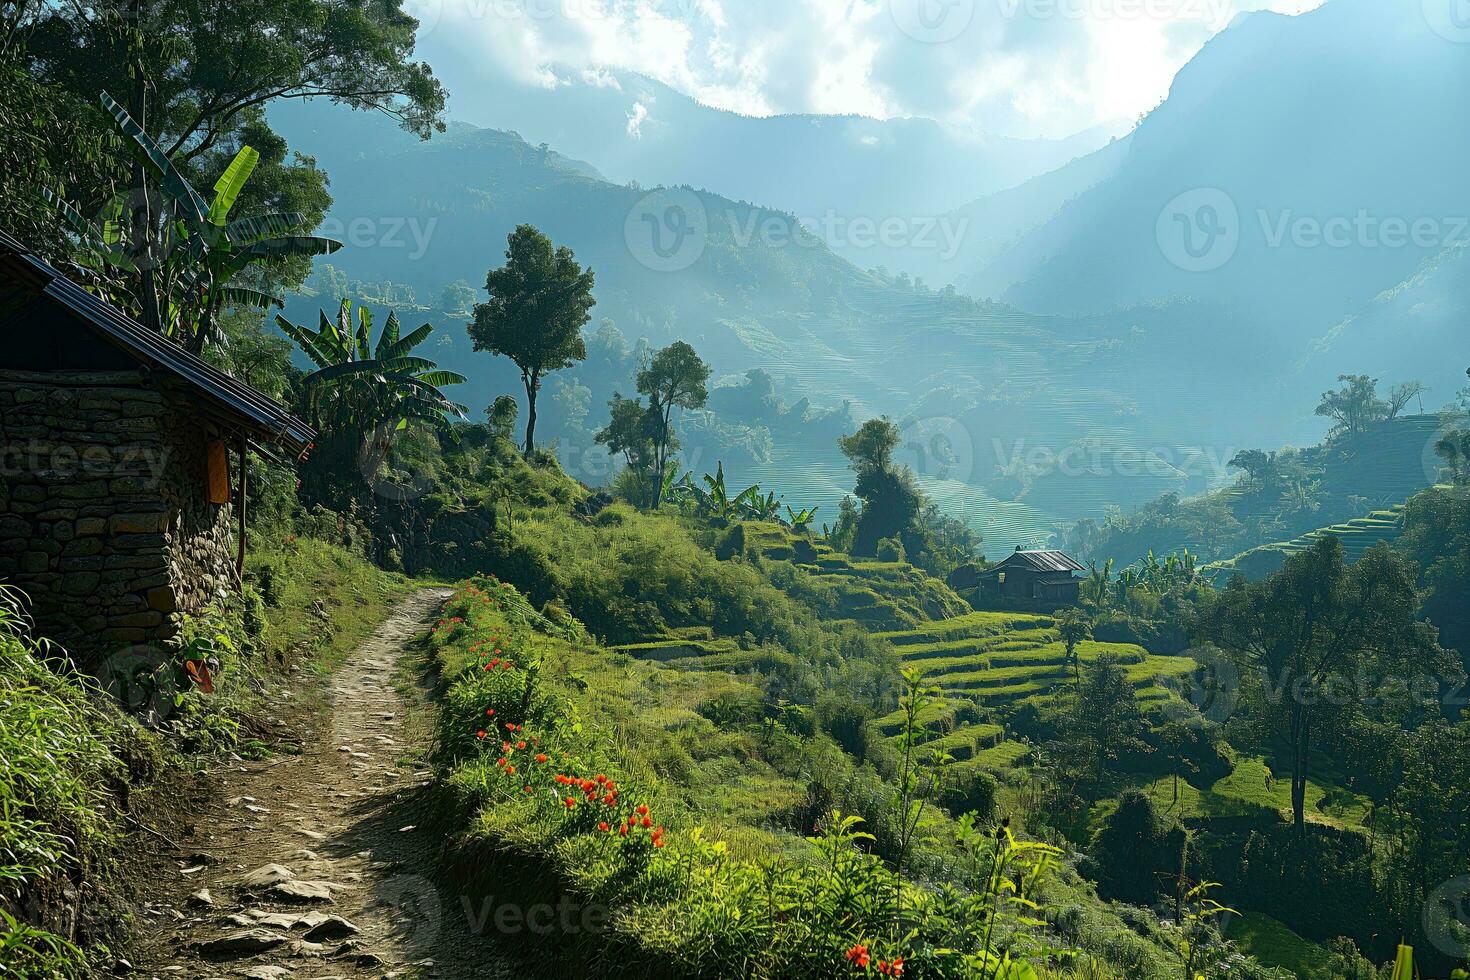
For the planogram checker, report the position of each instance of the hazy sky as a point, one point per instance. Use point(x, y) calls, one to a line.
point(1015, 67)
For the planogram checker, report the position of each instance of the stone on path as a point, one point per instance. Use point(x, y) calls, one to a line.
point(332, 927)
point(302, 892)
point(246, 943)
point(268, 875)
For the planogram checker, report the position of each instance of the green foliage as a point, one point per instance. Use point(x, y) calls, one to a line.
point(1317, 622)
point(64, 753)
point(1138, 856)
point(1355, 405)
point(547, 789)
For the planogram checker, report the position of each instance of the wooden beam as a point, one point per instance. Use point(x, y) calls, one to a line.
point(244, 481)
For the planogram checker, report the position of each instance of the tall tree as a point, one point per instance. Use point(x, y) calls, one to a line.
point(539, 301)
point(891, 499)
point(1074, 628)
point(676, 377)
point(627, 433)
point(1315, 626)
point(1354, 406)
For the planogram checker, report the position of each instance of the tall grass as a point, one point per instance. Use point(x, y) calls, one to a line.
point(61, 749)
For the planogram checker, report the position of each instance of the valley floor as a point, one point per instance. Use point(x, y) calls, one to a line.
point(314, 864)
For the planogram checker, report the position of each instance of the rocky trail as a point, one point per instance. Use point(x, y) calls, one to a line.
point(313, 866)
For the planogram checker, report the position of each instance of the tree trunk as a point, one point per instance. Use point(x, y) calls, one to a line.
point(1300, 746)
point(660, 461)
point(533, 384)
point(142, 219)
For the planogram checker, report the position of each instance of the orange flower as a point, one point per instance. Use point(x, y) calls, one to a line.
point(571, 803)
point(602, 826)
point(648, 821)
point(858, 956)
point(658, 843)
point(642, 810)
point(480, 733)
point(510, 770)
point(541, 757)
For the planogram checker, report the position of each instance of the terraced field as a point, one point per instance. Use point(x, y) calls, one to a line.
point(996, 659)
point(1357, 537)
point(993, 660)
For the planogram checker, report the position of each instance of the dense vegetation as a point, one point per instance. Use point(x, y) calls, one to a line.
point(774, 742)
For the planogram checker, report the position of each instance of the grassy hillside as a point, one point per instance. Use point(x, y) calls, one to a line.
point(727, 876)
point(1357, 536)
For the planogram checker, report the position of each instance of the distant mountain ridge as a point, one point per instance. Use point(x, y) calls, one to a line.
point(828, 170)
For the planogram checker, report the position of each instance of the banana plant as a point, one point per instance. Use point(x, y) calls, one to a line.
point(191, 247)
point(714, 500)
point(361, 386)
point(801, 520)
point(759, 508)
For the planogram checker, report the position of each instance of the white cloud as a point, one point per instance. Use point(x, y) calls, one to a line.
point(636, 115)
point(1019, 67)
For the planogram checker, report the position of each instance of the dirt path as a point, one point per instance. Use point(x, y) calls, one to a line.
point(312, 866)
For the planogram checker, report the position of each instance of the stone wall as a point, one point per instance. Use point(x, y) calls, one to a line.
point(104, 518)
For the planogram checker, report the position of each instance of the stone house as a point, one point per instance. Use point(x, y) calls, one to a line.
point(122, 494)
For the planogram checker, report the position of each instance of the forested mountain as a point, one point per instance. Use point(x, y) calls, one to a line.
point(824, 169)
point(1285, 222)
point(991, 397)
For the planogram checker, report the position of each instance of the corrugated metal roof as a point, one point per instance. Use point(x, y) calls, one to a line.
point(1043, 561)
point(265, 419)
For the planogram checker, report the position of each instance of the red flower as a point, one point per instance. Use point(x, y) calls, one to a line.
point(602, 826)
point(489, 712)
point(510, 770)
point(624, 831)
point(571, 803)
point(642, 810)
point(480, 733)
point(541, 757)
point(520, 745)
point(893, 969)
point(858, 956)
point(525, 789)
point(658, 843)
